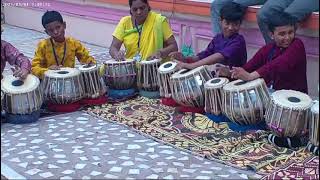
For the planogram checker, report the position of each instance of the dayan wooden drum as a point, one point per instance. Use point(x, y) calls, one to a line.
point(120, 74)
point(314, 125)
point(187, 86)
point(21, 96)
point(91, 80)
point(245, 102)
point(214, 95)
point(63, 86)
point(287, 113)
point(148, 75)
point(164, 73)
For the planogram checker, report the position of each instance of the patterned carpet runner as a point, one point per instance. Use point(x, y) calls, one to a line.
point(199, 135)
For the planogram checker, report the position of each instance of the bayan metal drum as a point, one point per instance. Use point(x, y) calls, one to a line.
point(120, 74)
point(245, 102)
point(214, 95)
point(21, 96)
point(287, 113)
point(63, 86)
point(188, 86)
point(313, 145)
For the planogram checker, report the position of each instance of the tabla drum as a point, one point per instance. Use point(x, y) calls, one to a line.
point(21, 96)
point(213, 95)
point(148, 75)
point(287, 113)
point(314, 125)
point(187, 86)
point(244, 102)
point(63, 86)
point(120, 74)
point(164, 73)
point(91, 80)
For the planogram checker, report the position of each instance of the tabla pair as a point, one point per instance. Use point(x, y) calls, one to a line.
point(69, 85)
point(121, 75)
point(186, 87)
point(247, 103)
point(244, 101)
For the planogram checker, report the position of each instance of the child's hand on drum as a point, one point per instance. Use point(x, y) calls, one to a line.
point(182, 65)
point(54, 67)
point(240, 73)
point(90, 64)
point(176, 55)
point(20, 72)
point(223, 71)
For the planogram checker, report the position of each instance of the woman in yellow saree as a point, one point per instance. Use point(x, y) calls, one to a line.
point(145, 34)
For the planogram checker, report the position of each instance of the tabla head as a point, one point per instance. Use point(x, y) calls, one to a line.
point(62, 73)
point(153, 61)
point(113, 61)
point(240, 85)
point(216, 82)
point(13, 85)
point(87, 67)
point(193, 74)
point(315, 107)
point(291, 99)
point(167, 67)
point(186, 72)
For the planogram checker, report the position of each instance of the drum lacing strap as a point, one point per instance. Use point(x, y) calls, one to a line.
point(241, 107)
point(55, 55)
point(313, 148)
point(289, 142)
point(271, 138)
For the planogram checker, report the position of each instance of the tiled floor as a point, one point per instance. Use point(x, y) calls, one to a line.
point(79, 146)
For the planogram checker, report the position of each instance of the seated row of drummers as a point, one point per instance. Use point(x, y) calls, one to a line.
point(147, 35)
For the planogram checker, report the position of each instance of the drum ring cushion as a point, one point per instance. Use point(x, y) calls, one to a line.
point(150, 94)
point(199, 110)
point(243, 128)
point(169, 102)
point(94, 101)
point(121, 93)
point(312, 148)
point(217, 118)
point(22, 118)
point(288, 142)
point(71, 107)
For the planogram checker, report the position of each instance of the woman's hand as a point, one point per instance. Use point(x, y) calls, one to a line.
point(120, 56)
point(156, 55)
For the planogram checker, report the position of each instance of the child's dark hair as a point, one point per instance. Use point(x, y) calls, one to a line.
point(232, 11)
point(278, 18)
point(144, 1)
point(51, 16)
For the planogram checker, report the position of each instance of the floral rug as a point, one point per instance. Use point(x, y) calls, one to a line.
point(308, 169)
point(199, 135)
